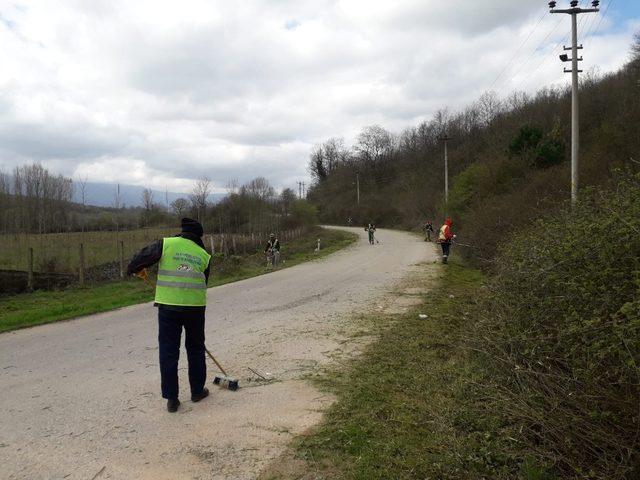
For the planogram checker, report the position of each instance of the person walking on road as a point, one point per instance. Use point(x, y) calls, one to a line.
point(181, 297)
point(272, 249)
point(428, 230)
point(445, 238)
point(371, 229)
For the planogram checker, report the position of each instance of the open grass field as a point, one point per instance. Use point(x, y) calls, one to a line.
point(59, 252)
point(29, 309)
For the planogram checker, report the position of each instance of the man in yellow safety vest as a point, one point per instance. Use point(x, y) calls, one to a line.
point(181, 298)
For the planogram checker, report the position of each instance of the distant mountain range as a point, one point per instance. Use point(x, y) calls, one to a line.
point(103, 195)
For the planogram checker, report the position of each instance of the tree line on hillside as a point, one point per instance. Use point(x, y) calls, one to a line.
point(508, 159)
point(33, 200)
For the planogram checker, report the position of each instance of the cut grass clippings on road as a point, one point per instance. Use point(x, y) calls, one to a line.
point(30, 309)
point(408, 407)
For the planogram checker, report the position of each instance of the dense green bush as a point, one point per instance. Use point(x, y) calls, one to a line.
point(562, 324)
point(537, 149)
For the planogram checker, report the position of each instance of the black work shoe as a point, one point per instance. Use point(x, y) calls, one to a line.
point(173, 404)
point(196, 397)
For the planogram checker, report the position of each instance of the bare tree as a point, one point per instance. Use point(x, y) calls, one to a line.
point(287, 197)
point(42, 199)
point(635, 48)
point(259, 188)
point(233, 186)
point(489, 107)
point(180, 206)
point(199, 196)
point(147, 199)
point(326, 157)
point(82, 187)
point(374, 143)
point(317, 164)
point(441, 121)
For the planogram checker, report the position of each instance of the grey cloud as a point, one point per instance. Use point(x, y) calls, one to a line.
point(249, 87)
point(39, 142)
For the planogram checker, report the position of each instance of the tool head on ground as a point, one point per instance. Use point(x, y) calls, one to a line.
point(223, 380)
point(226, 382)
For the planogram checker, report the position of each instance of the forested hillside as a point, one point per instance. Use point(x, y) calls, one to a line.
point(549, 345)
point(508, 160)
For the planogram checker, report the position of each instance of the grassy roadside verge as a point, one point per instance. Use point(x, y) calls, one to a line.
point(408, 407)
point(25, 310)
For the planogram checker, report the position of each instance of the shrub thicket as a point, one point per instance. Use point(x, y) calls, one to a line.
point(562, 328)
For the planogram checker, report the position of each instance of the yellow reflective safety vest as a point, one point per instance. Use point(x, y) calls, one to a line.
point(181, 269)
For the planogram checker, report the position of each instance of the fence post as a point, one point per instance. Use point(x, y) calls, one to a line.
point(121, 258)
point(30, 272)
point(213, 245)
point(81, 266)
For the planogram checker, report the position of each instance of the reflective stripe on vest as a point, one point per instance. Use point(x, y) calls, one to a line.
point(195, 286)
point(181, 279)
point(178, 273)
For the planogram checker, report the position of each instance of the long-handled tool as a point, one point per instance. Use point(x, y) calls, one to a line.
point(225, 381)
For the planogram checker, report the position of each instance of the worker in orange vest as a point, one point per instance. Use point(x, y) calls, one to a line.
point(445, 238)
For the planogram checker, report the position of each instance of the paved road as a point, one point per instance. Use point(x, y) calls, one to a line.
point(81, 398)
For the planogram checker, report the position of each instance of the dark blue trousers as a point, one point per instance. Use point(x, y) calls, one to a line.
point(171, 321)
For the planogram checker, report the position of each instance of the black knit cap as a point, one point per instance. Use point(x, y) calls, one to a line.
point(191, 226)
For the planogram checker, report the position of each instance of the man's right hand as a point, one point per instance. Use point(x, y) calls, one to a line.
point(143, 274)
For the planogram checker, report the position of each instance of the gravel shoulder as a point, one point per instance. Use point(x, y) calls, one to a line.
point(81, 398)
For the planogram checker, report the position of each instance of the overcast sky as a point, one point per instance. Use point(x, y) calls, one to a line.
point(157, 93)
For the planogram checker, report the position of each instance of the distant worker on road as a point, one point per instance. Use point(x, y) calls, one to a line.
point(272, 249)
point(428, 230)
point(371, 229)
point(181, 298)
point(445, 238)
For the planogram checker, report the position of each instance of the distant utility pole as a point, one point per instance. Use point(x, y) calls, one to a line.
point(299, 189)
point(445, 139)
point(304, 194)
point(575, 112)
point(358, 188)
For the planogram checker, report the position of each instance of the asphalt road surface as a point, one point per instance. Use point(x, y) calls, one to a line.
point(81, 399)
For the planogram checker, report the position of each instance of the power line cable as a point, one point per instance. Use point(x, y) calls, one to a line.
point(589, 28)
point(604, 14)
point(530, 57)
point(518, 50)
point(547, 58)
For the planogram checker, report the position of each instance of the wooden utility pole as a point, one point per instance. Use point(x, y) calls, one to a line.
point(81, 266)
point(121, 258)
point(30, 271)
